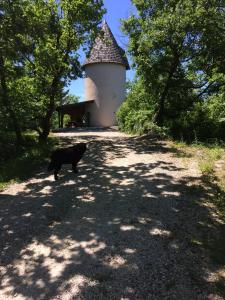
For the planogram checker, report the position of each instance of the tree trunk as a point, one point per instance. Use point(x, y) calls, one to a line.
point(46, 121)
point(7, 104)
point(45, 131)
point(160, 113)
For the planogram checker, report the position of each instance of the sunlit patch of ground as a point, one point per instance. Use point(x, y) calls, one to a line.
point(129, 225)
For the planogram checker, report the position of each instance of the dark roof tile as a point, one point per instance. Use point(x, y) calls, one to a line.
point(106, 49)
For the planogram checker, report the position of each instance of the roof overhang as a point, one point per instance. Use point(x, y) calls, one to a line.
point(66, 107)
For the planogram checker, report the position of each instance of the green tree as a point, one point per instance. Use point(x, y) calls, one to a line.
point(39, 55)
point(70, 99)
point(178, 49)
point(13, 48)
point(60, 29)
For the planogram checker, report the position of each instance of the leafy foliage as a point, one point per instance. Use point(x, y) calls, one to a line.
point(39, 56)
point(135, 114)
point(70, 99)
point(177, 49)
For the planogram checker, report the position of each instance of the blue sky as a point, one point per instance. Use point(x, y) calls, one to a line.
point(116, 10)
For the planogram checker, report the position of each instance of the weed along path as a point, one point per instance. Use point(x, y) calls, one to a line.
point(132, 224)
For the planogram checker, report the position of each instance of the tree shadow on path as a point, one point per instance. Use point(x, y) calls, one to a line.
point(120, 229)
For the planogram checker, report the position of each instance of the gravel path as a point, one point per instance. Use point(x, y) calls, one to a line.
point(128, 226)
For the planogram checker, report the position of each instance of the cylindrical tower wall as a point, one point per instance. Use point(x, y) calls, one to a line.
point(104, 83)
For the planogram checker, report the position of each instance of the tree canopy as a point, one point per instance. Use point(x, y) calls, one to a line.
point(39, 55)
point(178, 51)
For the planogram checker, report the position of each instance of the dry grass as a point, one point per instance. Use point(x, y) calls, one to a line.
point(210, 158)
point(211, 162)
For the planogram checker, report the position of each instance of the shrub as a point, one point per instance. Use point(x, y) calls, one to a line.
point(187, 119)
point(136, 113)
point(139, 122)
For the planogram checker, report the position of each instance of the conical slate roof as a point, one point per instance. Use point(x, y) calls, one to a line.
point(107, 50)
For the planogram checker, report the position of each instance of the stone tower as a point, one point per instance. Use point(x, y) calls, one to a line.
point(105, 79)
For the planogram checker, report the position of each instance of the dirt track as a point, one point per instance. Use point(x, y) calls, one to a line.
point(126, 227)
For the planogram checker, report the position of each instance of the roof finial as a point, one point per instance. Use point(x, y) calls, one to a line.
point(104, 23)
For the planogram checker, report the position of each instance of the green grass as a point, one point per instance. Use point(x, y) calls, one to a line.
point(207, 157)
point(206, 166)
point(18, 163)
point(211, 162)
